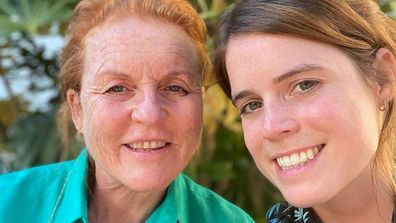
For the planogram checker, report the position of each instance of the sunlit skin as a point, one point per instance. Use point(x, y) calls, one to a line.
point(295, 94)
point(141, 83)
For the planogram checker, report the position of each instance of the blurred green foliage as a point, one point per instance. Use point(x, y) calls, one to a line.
point(29, 138)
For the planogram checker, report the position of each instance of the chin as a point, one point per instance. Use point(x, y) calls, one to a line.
point(301, 202)
point(305, 199)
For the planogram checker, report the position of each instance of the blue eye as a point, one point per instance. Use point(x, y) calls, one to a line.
point(251, 107)
point(175, 89)
point(117, 89)
point(305, 85)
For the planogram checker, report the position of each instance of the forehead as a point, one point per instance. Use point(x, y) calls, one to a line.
point(274, 55)
point(287, 49)
point(125, 41)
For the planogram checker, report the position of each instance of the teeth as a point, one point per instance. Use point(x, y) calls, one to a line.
point(294, 159)
point(147, 145)
point(303, 157)
point(298, 159)
point(310, 154)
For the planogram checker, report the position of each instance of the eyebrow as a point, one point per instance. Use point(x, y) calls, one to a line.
point(180, 72)
point(297, 70)
point(289, 74)
point(240, 95)
point(175, 73)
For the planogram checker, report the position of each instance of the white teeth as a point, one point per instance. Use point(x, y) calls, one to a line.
point(310, 154)
point(298, 159)
point(294, 159)
point(286, 161)
point(147, 145)
point(154, 144)
point(303, 157)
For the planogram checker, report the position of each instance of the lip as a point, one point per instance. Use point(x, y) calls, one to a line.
point(144, 154)
point(298, 169)
point(146, 145)
point(297, 150)
point(143, 150)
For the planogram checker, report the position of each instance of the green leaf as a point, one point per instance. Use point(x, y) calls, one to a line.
point(7, 8)
point(32, 15)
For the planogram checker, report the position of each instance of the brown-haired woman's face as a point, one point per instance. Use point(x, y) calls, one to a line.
point(310, 121)
point(140, 106)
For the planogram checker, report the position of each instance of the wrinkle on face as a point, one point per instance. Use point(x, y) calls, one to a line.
point(140, 56)
point(145, 57)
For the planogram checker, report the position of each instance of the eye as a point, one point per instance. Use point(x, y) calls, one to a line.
point(117, 89)
point(304, 86)
point(175, 89)
point(251, 107)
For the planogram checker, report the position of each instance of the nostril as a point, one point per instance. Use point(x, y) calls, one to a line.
point(276, 129)
point(148, 113)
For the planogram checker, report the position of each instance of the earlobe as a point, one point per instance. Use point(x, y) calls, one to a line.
point(73, 101)
point(386, 74)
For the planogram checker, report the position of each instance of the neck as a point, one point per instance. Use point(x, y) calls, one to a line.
point(364, 200)
point(120, 204)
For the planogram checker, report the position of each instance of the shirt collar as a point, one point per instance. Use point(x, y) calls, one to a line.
point(73, 196)
point(174, 207)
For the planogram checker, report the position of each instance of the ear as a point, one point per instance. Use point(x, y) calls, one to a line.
point(386, 74)
point(75, 108)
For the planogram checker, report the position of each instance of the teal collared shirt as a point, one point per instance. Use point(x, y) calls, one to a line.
point(58, 193)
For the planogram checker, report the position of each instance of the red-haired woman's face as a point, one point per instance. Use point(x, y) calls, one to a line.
point(140, 107)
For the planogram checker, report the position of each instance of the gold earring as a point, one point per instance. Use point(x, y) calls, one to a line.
point(383, 107)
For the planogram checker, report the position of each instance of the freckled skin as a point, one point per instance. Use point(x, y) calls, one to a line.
point(145, 57)
point(341, 111)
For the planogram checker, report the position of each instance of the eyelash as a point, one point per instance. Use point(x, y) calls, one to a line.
point(245, 108)
point(113, 91)
point(313, 83)
point(170, 90)
point(179, 91)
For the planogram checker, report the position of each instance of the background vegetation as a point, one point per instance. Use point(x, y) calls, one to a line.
point(28, 135)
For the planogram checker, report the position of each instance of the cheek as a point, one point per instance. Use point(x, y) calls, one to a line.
point(350, 116)
point(253, 140)
point(255, 144)
point(185, 121)
point(104, 118)
point(348, 125)
point(190, 115)
point(101, 113)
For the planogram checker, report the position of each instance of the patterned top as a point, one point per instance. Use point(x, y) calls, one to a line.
point(285, 213)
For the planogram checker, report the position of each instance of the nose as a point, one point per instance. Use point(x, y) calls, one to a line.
point(148, 108)
point(279, 121)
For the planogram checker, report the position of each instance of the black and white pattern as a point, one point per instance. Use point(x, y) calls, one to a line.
point(285, 213)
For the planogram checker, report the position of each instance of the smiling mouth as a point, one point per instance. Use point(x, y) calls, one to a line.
point(299, 158)
point(146, 146)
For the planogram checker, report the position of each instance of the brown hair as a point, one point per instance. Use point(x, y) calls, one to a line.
point(358, 27)
point(90, 14)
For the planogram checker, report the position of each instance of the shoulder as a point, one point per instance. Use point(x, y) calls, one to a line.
point(31, 190)
point(33, 177)
point(284, 212)
point(206, 204)
point(44, 170)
